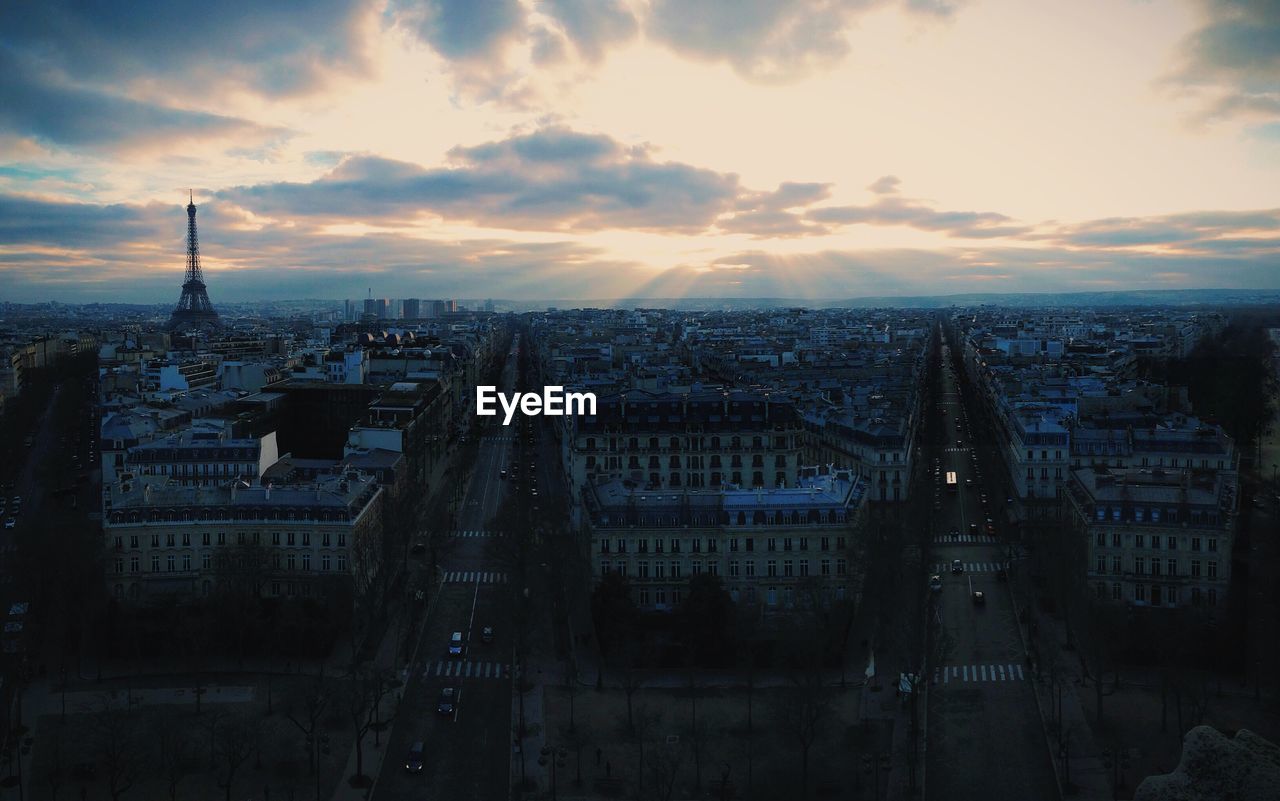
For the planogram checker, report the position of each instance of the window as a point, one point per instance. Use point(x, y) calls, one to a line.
point(1172, 567)
point(642, 570)
point(675, 569)
point(342, 562)
point(1171, 542)
point(1101, 539)
point(824, 543)
point(825, 567)
point(787, 568)
point(324, 561)
point(1213, 597)
point(1195, 568)
point(1115, 565)
point(155, 540)
point(804, 568)
point(186, 562)
point(1213, 544)
point(222, 538)
point(842, 567)
point(342, 540)
point(206, 560)
point(751, 568)
point(1139, 565)
point(1140, 592)
point(771, 544)
point(133, 564)
point(771, 568)
point(1139, 540)
point(733, 569)
point(659, 569)
point(1171, 595)
point(119, 565)
point(306, 561)
point(275, 538)
point(1102, 564)
point(186, 538)
point(1213, 570)
point(306, 538)
point(1155, 567)
point(170, 563)
point(1115, 539)
point(1195, 543)
point(1115, 592)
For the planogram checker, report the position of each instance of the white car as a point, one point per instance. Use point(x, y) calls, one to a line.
point(11, 523)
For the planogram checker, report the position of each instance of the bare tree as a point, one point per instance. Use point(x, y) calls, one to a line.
point(304, 707)
point(640, 728)
point(235, 744)
point(210, 724)
point(665, 760)
point(175, 752)
point(802, 712)
point(115, 739)
point(361, 697)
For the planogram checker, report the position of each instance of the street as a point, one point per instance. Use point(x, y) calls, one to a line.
point(985, 736)
point(467, 752)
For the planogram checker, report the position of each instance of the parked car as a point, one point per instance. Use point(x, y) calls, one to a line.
point(935, 582)
point(486, 634)
point(10, 523)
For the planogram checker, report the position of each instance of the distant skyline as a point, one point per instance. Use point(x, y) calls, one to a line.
point(598, 149)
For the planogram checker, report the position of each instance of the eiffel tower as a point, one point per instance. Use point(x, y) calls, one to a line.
point(194, 309)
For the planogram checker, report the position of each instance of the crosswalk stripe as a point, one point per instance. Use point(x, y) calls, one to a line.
point(966, 672)
point(1019, 671)
point(984, 672)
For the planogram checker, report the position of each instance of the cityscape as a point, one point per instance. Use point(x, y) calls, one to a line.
point(538, 399)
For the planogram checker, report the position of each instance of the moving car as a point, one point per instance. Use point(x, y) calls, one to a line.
point(445, 705)
point(973, 528)
point(486, 634)
point(502, 474)
point(413, 762)
point(978, 598)
point(455, 644)
point(957, 566)
point(935, 582)
point(10, 523)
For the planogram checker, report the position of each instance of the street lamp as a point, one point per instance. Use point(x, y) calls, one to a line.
point(556, 757)
point(874, 765)
point(1116, 760)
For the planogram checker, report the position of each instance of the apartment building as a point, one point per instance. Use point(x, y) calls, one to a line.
point(1152, 536)
point(775, 548)
point(165, 540)
point(686, 440)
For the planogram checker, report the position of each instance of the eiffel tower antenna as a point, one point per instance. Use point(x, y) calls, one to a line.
point(194, 309)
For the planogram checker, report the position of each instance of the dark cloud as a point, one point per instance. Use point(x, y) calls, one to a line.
point(1192, 230)
point(274, 48)
point(32, 106)
point(766, 40)
point(886, 185)
point(593, 25)
point(553, 179)
point(1234, 57)
point(893, 210)
point(464, 29)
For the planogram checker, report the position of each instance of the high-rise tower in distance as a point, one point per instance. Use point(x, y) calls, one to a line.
point(194, 309)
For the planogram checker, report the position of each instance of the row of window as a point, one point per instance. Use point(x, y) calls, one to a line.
point(696, 544)
point(675, 443)
point(659, 595)
point(1154, 514)
point(187, 469)
point(1169, 541)
point(242, 538)
point(277, 588)
point(288, 562)
point(800, 568)
point(691, 462)
point(1159, 594)
point(1171, 567)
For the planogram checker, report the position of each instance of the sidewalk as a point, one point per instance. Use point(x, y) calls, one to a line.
point(1077, 760)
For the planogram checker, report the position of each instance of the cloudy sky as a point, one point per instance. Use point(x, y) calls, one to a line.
point(633, 148)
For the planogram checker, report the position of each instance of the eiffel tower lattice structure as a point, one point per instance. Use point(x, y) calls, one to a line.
point(194, 309)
